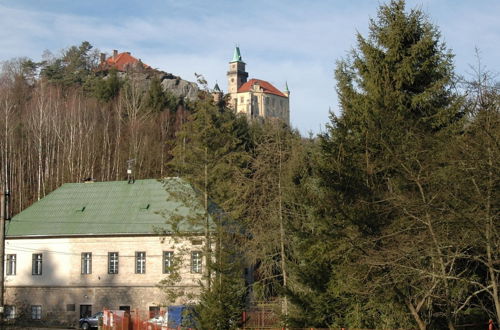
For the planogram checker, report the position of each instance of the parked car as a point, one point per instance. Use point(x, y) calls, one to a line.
point(157, 322)
point(90, 321)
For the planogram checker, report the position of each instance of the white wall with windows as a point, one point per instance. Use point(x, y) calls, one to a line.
point(101, 261)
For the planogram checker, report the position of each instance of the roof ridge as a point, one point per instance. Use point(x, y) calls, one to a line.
point(266, 86)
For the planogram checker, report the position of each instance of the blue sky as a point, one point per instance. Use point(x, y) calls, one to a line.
point(297, 41)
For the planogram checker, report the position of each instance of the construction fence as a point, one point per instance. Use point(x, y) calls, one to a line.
point(178, 317)
point(170, 319)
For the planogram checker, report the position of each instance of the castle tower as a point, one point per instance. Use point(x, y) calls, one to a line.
point(217, 93)
point(236, 76)
point(287, 91)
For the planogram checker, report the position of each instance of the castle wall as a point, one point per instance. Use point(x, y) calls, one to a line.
point(253, 104)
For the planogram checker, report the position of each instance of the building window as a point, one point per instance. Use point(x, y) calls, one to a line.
point(140, 262)
point(36, 265)
point(154, 311)
point(168, 261)
point(10, 312)
point(86, 263)
point(196, 262)
point(113, 263)
point(70, 307)
point(11, 264)
point(36, 312)
point(85, 310)
point(242, 100)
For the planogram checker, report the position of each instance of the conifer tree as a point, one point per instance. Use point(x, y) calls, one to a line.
point(395, 92)
point(264, 194)
point(210, 150)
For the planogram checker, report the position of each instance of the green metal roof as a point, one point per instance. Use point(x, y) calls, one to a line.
point(237, 55)
point(113, 208)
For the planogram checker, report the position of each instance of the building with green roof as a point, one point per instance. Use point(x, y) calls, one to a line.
point(89, 246)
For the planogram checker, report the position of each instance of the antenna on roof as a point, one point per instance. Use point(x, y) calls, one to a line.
point(130, 167)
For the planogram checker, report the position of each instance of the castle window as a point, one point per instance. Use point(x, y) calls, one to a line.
point(242, 100)
point(232, 79)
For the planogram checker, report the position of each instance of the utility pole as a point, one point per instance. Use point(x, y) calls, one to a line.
point(2, 250)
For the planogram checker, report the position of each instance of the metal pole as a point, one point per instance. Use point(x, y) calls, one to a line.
point(2, 252)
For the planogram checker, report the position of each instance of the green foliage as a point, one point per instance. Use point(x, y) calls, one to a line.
point(158, 100)
point(221, 306)
point(105, 88)
point(209, 151)
point(213, 139)
point(73, 68)
point(263, 191)
point(396, 96)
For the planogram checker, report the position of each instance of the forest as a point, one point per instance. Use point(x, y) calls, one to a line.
point(387, 219)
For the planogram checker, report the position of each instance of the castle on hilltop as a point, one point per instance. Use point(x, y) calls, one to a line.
point(254, 98)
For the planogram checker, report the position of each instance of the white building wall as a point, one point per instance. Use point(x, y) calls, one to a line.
point(62, 260)
point(62, 284)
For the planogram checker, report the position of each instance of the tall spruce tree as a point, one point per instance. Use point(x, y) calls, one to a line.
point(395, 92)
point(210, 151)
point(264, 191)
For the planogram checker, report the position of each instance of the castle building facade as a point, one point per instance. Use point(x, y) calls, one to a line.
point(255, 98)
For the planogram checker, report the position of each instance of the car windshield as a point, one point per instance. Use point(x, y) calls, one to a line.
point(96, 315)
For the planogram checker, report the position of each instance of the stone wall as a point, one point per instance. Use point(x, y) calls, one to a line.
point(61, 305)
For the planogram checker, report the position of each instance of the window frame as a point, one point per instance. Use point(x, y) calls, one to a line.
point(36, 312)
point(113, 263)
point(168, 257)
point(88, 310)
point(196, 262)
point(86, 263)
point(140, 262)
point(10, 312)
point(10, 264)
point(37, 264)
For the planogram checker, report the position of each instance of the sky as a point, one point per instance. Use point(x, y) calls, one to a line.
point(293, 41)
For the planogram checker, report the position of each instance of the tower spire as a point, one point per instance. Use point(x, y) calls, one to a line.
point(287, 91)
point(236, 76)
point(237, 55)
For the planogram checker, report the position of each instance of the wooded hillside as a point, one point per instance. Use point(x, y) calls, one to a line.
point(388, 219)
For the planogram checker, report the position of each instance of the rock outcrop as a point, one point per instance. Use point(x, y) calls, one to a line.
point(179, 87)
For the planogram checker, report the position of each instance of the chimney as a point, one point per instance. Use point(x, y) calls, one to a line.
point(115, 53)
point(130, 174)
point(103, 57)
